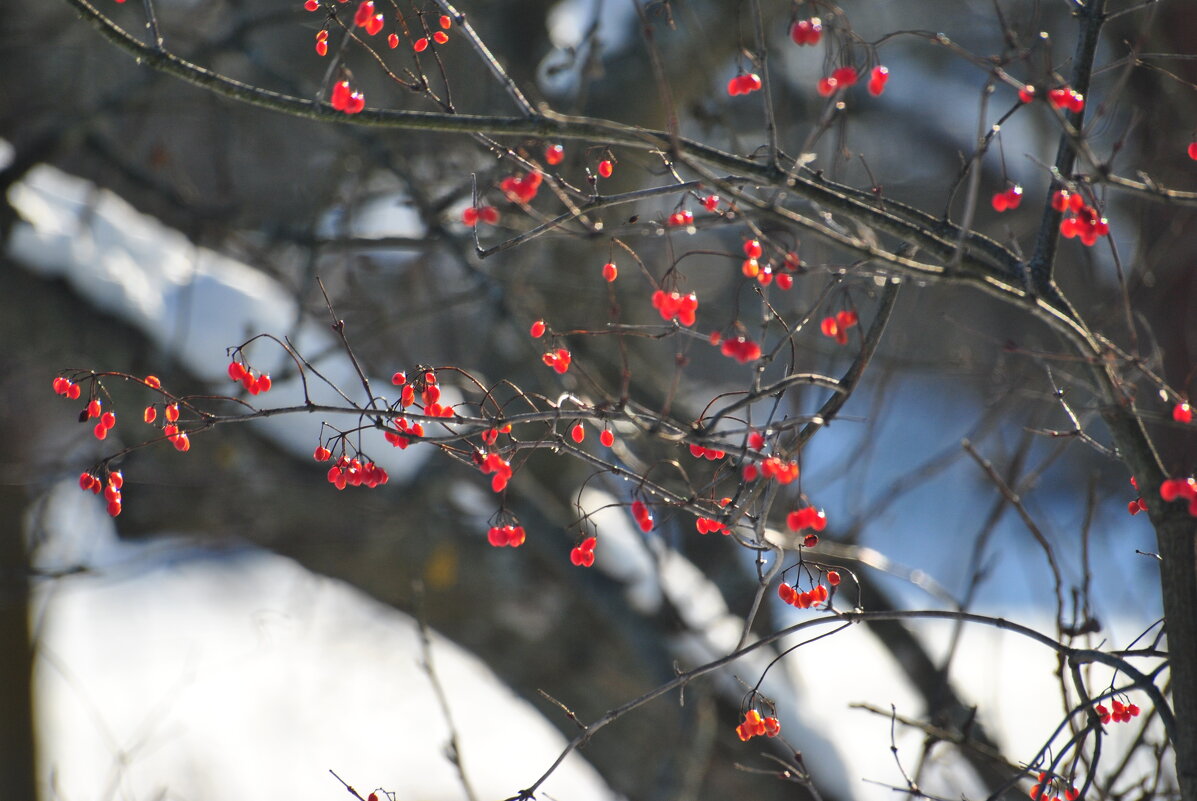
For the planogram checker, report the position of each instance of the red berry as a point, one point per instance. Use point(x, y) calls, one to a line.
point(1072, 794)
point(311, 5)
point(440, 37)
point(1026, 93)
point(752, 249)
point(537, 329)
point(1192, 151)
point(833, 578)
point(877, 80)
point(108, 420)
point(365, 11)
point(356, 102)
point(807, 31)
point(420, 45)
point(393, 41)
point(1182, 412)
point(577, 433)
point(554, 154)
point(93, 408)
point(61, 385)
point(827, 86)
point(446, 21)
point(607, 438)
point(610, 271)
point(340, 96)
point(845, 76)
point(710, 202)
point(605, 168)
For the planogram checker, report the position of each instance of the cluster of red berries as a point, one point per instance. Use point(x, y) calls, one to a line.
point(421, 44)
point(1067, 98)
point(1082, 220)
point(709, 525)
point(558, 359)
point(582, 555)
point(347, 472)
point(1138, 504)
point(1182, 412)
point(878, 78)
point(756, 726)
point(681, 218)
point(496, 464)
point(676, 306)
point(111, 489)
point(254, 383)
point(366, 17)
point(840, 78)
point(1174, 489)
point(321, 37)
point(522, 189)
point(744, 84)
point(801, 598)
point(807, 517)
point(807, 31)
point(781, 471)
point(751, 267)
point(740, 348)
point(345, 98)
point(491, 435)
point(643, 515)
point(710, 454)
point(475, 214)
point(1007, 200)
point(1119, 712)
point(1044, 785)
point(836, 327)
point(171, 431)
point(506, 536)
point(407, 431)
point(66, 388)
point(105, 422)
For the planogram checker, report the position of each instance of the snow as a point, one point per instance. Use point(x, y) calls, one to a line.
point(218, 675)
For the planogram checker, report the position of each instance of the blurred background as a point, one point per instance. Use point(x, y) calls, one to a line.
point(243, 627)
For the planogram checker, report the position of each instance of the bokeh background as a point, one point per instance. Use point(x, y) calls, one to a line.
point(242, 627)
